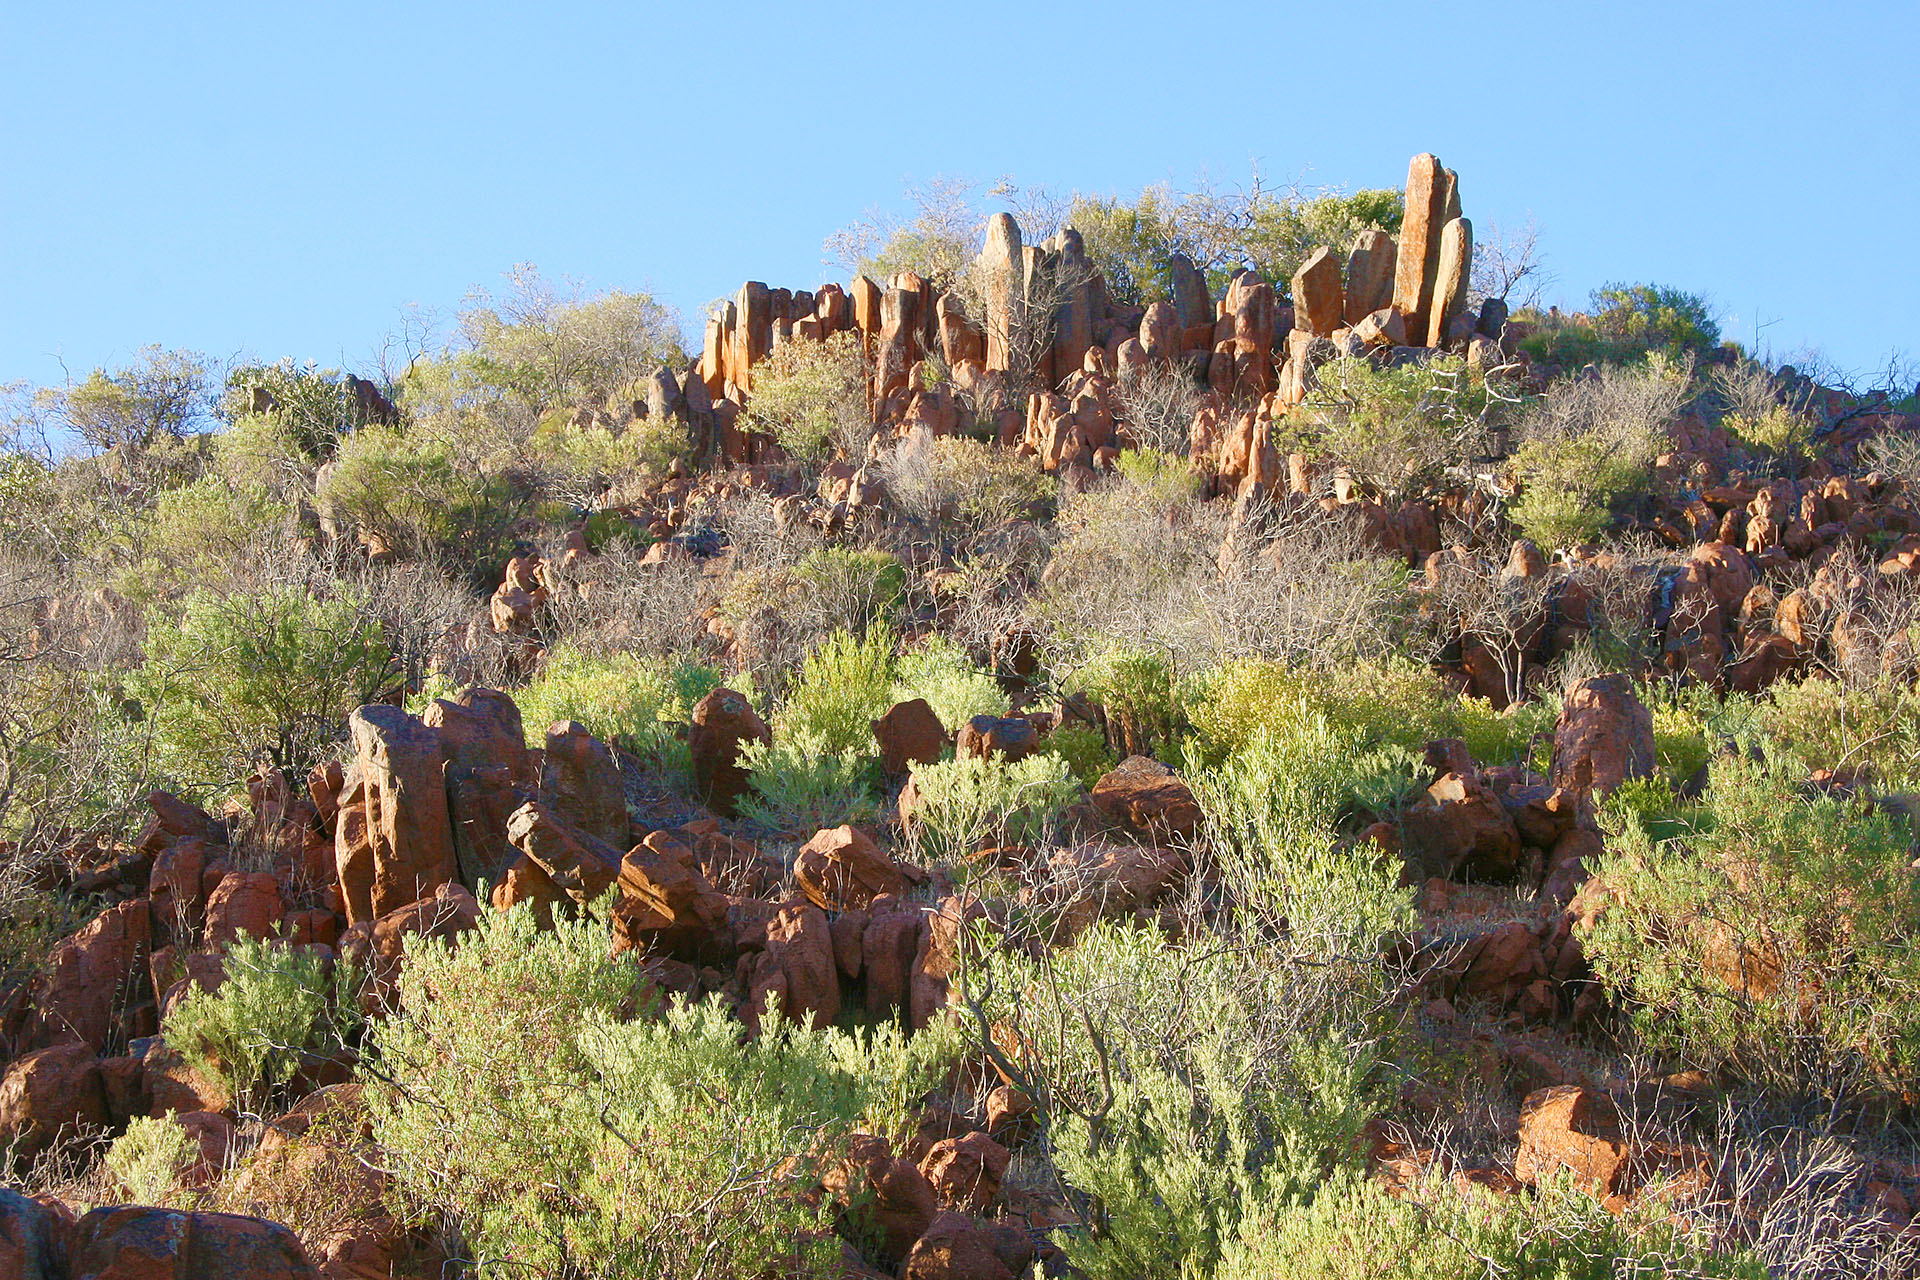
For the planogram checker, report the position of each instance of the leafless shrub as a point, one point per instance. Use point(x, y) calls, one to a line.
point(615, 603)
point(1157, 403)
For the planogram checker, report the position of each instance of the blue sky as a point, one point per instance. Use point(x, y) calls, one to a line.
point(284, 180)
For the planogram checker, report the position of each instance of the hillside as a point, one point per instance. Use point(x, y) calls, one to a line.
point(1174, 740)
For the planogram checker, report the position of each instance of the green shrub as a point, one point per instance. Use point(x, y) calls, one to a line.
point(515, 1098)
point(844, 686)
point(266, 675)
point(1397, 429)
point(968, 802)
point(798, 790)
point(423, 496)
point(812, 398)
point(641, 704)
point(1388, 704)
point(196, 532)
point(1161, 474)
point(1873, 727)
point(583, 461)
point(1084, 749)
point(964, 488)
point(278, 1002)
point(1272, 810)
point(1177, 1101)
point(1588, 448)
point(1627, 323)
point(312, 407)
point(1351, 1228)
point(939, 670)
point(148, 1159)
point(1774, 940)
point(1137, 687)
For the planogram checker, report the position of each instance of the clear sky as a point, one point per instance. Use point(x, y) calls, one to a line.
point(282, 180)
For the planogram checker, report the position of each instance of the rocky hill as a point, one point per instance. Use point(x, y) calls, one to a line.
point(1042, 765)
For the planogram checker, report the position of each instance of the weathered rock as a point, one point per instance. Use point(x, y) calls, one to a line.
point(966, 1171)
point(582, 866)
point(897, 954)
point(880, 1196)
point(667, 905)
point(408, 831)
point(135, 1243)
point(243, 902)
point(1010, 737)
point(49, 1095)
point(1095, 880)
point(954, 1248)
point(1148, 799)
point(1453, 274)
point(581, 779)
point(723, 722)
point(1417, 256)
point(797, 969)
point(1458, 828)
point(1382, 328)
point(1004, 279)
point(1574, 1128)
point(909, 734)
point(1369, 277)
point(88, 991)
point(842, 869)
point(1319, 298)
point(1604, 736)
point(489, 772)
point(34, 1239)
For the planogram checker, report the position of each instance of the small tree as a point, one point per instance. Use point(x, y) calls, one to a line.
point(812, 398)
point(164, 393)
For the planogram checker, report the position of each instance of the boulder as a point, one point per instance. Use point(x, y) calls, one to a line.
point(797, 967)
point(176, 889)
point(490, 773)
point(135, 1243)
point(881, 1197)
point(243, 903)
point(408, 831)
point(1011, 737)
point(666, 903)
point(1574, 1128)
point(909, 734)
point(1369, 287)
point(582, 866)
point(1148, 799)
point(843, 869)
point(723, 722)
point(966, 1171)
point(1319, 298)
point(954, 1248)
point(581, 779)
point(88, 992)
point(1458, 828)
point(897, 956)
point(1604, 736)
point(48, 1095)
point(1098, 879)
point(1417, 256)
point(35, 1239)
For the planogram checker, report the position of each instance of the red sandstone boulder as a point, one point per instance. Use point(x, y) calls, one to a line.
point(87, 991)
point(843, 869)
point(1604, 736)
point(797, 969)
point(966, 1171)
point(1459, 828)
point(1011, 737)
point(134, 1243)
point(723, 722)
point(580, 865)
point(48, 1095)
point(1148, 799)
point(35, 1238)
point(881, 1197)
point(243, 902)
point(402, 848)
point(954, 1248)
point(909, 734)
point(1574, 1128)
point(581, 780)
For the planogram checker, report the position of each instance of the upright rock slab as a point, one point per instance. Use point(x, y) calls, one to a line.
point(1370, 267)
point(1319, 298)
point(403, 795)
point(1002, 266)
point(1417, 260)
point(1453, 274)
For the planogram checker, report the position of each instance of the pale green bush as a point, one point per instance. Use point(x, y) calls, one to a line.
point(515, 1098)
point(259, 676)
point(812, 398)
point(844, 686)
point(1353, 1229)
point(799, 790)
point(939, 670)
point(277, 1004)
point(1774, 940)
point(968, 802)
point(641, 704)
point(148, 1159)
